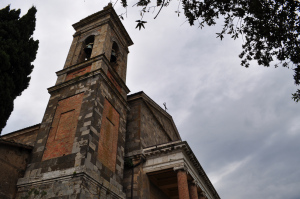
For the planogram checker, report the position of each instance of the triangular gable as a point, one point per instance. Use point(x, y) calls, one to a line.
point(164, 119)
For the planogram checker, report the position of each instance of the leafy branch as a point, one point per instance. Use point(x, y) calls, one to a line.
point(269, 28)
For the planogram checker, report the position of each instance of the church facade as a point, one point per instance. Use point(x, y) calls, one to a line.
point(95, 140)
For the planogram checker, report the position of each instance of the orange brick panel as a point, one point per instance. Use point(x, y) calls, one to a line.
point(107, 150)
point(65, 125)
point(61, 136)
point(78, 73)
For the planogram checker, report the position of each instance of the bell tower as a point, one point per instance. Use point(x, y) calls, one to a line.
point(79, 150)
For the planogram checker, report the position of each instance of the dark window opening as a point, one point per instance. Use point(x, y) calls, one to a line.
point(89, 43)
point(87, 48)
point(114, 53)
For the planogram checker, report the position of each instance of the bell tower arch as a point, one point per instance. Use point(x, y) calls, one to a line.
point(79, 151)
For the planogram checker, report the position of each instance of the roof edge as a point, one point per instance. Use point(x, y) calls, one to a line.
point(16, 144)
point(36, 126)
point(144, 96)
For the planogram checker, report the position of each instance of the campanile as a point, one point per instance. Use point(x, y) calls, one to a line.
point(79, 150)
point(97, 142)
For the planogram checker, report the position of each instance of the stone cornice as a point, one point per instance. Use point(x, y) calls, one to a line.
point(90, 62)
point(67, 175)
point(84, 77)
point(15, 144)
point(80, 65)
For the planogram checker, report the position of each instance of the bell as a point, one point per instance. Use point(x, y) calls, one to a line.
point(88, 50)
point(113, 57)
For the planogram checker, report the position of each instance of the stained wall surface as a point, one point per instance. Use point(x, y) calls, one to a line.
point(13, 162)
point(147, 125)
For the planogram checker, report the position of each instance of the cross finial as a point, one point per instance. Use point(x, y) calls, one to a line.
point(165, 105)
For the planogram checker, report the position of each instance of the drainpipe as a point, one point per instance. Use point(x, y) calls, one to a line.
point(132, 173)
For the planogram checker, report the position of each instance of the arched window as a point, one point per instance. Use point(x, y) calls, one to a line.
point(88, 47)
point(114, 53)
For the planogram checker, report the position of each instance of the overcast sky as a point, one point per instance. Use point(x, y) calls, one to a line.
point(240, 122)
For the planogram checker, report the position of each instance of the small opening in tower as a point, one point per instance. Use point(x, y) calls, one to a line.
point(89, 43)
point(114, 53)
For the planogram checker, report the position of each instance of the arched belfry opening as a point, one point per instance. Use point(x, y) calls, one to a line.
point(87, 45)
point(115, 52)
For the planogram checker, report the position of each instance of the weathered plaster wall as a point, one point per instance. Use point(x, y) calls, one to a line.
point(152, 132)
point(146, 126)
point(166, 123)
point(13, 162)
point(140, 181)
point(143, 129)
point(133, 129)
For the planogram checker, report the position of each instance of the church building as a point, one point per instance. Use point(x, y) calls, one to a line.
point(95, 141)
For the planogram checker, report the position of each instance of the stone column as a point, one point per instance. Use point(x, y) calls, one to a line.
point(202, 195)
point(193, 191)
point(183, 189)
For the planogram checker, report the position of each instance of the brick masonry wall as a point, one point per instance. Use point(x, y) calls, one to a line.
point(121, 65)
point(133, 141)
point(13, 162)
point(104, 38)
point(166, 123)
point(86, 155)
point(85, 145)
point(78, 73)
point(23, 136)
point(115, 83)
point(116, 112)
point(62, 133)
point(141, 183)
point(86, 90)
point(146, 126)
point(107, 149)
point(151, 130)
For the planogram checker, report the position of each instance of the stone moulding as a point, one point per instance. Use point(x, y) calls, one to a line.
point(79, 66)
point(61, 176)
point(83, 77)
point(16, 144)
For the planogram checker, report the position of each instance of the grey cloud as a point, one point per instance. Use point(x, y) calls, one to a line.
point(241, 123)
